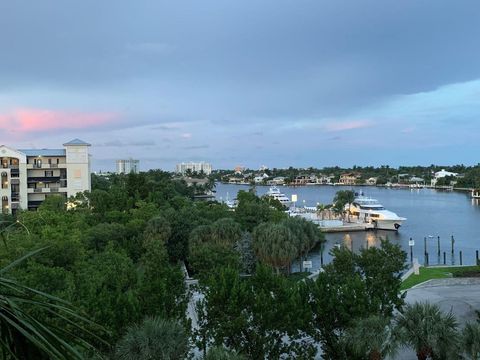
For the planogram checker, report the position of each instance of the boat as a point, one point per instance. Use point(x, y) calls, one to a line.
point(232, 204)
point(275, 193)
point(371, 211)
point(476, 194)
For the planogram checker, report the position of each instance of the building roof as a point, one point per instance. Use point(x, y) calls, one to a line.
point(76, 142)
point(43, 152)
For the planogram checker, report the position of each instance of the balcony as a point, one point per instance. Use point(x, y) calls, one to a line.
point(14, 181)
point(44, 179)
point(47, 166)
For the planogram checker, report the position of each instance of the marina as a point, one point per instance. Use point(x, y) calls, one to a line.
point(431, 214)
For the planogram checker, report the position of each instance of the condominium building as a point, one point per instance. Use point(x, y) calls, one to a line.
point(29, 176)
point(197, 167)
point(127, 166)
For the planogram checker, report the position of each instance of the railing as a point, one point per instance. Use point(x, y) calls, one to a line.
point(54, 166)
point(54, 189)
point(37, 190)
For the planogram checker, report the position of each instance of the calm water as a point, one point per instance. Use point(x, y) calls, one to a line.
point(430, 213)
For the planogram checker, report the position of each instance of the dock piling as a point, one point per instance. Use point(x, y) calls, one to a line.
point(438, 247)
point(444, 258)
point(461, 260)
point(453, 246)
point(425, 245)
point(426, 259)
point(476, 253)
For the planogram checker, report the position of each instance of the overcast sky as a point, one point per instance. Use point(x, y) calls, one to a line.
point(250, 82)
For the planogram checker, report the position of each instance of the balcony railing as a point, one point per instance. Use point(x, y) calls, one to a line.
point(37, 190)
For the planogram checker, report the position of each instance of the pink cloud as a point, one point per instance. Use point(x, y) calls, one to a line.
point(39, 120)
point(347, 125)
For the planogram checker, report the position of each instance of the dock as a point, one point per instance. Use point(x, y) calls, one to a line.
point(347, 227)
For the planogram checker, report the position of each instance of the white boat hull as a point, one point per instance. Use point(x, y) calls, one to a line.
point(393, 225)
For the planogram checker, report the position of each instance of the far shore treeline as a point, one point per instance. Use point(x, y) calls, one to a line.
point(469, 176)
point(107, 280)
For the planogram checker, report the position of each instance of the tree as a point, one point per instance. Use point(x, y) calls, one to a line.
point(212, 246)
point(106, 288)
point(471, 340)
point(220, 353)
point(244, 247)
point(306, 235)
point(23, 336)
point(253, 315)
point(154, 338)
point(162, 289)
point(372, 337)
point(343, 198)
point(321, 209)
point(274, 244)
point(252, 211)
point(431, 333)
point(347, 290)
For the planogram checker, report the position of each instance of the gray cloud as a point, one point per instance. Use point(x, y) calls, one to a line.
point(244, 75)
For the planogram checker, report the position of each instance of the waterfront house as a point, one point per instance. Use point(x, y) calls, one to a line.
point(348, 178)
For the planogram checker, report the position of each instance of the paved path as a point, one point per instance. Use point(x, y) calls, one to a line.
point(459, 295)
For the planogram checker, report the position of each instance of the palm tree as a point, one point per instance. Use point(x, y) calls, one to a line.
point(274, 245)
point(321, 208)
point(372, 337)
point(23, 336)
point(471, 340)
point(431, 333)
point(154, 338)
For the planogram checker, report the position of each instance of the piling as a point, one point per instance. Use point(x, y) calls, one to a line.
point(426, 259)
point(411, 252)
point(453, 246)
point(425, 245)
point(444, 258)
point(461, 262)
point(438, 246)
point(476, 253)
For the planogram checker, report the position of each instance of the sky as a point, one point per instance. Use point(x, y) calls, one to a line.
point(271, 82)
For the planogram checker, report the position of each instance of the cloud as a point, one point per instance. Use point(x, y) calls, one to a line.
point(347, 125)
point(27, 120)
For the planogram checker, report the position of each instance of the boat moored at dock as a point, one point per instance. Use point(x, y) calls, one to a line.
point(369, 210)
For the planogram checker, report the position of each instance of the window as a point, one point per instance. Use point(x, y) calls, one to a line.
point(48, 173)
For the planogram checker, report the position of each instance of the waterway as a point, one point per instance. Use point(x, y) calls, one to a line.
point(430, 214)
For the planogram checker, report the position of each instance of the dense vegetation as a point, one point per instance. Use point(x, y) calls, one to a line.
point(119, 257)
point(470, 175)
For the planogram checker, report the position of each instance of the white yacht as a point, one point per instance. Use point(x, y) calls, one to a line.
point(371, 211)
point(275, 193)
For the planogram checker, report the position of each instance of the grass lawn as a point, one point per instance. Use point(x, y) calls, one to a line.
point(440, 273)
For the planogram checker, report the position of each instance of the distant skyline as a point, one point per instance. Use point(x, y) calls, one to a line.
point(274, 82)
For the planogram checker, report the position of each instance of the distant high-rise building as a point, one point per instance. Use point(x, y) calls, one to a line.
point(29, 176)
point(127, 166)
point(197, 167)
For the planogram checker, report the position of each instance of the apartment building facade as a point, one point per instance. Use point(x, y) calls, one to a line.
point(127, 166)
point(29, 176)
point(196, 167)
